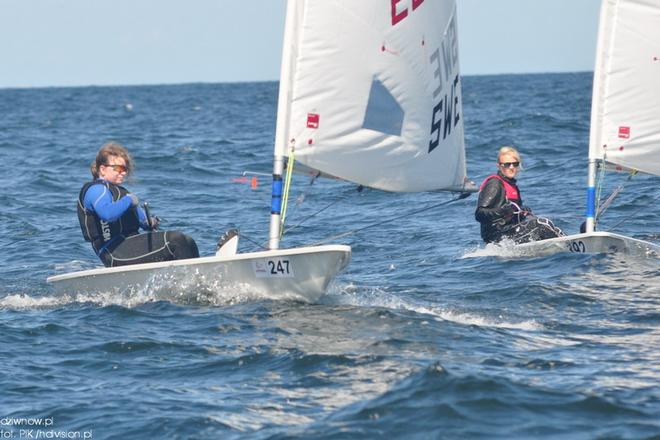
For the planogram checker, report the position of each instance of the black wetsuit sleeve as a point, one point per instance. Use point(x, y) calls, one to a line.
point(490, 203)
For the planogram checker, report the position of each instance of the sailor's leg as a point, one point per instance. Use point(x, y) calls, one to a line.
point(151, 247)
point(181, 245)
point(535, 229)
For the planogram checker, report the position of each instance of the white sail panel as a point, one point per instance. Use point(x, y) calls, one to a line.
point(375, 93)
point(625, 122)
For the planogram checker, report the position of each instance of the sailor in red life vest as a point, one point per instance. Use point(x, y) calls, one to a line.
point(497, 195)
point(500, 208)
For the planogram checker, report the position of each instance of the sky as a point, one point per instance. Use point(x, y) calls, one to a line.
point(47, 43)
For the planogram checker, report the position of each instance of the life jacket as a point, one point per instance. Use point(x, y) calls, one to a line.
point(102, 233)
point(511, 190)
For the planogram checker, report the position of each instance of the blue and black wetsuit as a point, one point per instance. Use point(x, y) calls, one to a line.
point(110, 219)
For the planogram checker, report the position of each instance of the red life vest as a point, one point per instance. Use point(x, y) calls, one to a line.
point(512, 194)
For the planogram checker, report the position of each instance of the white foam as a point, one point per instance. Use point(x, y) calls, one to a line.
point(103, 299)
point(178, 291)
point(505, 248)
point(26, 302)
point(466, 318)
point(377, 297)
point(74, 266)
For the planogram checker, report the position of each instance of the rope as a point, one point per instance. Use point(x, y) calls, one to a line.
point(263, 245)
point(599, 188)
point(632, 215)
point(259, 245)
point(359, 189)
point(287, 187)
point(614, 194)
point(353, 231)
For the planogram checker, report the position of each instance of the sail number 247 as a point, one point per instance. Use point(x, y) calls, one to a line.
point(273, 268)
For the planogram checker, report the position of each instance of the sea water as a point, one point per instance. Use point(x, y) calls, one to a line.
point(424, 335)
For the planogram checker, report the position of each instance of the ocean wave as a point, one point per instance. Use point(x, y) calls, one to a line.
point(379, 298)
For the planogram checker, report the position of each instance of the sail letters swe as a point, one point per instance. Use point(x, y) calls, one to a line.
point(446, 95)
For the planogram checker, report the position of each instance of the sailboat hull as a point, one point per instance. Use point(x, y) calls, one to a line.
point(590, 243)
point(299, 274)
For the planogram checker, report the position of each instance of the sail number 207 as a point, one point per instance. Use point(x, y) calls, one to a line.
point(577, 247)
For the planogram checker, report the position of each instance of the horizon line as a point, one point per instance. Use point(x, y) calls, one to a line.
point(166, 84)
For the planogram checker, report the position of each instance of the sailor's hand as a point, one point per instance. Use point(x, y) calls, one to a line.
point(507, 211)
point(154, 222)
point(134, 200)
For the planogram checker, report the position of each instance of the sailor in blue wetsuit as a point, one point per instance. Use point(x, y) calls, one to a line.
point(110, 217)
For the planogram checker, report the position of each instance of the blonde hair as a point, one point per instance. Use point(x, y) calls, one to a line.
point(111, 149)
point(508, 150)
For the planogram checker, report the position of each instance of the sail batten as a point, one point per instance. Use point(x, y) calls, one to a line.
point(625, 128)
point(375, 93)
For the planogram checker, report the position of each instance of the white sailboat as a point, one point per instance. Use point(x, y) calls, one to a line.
point(370, 93)
point(625, 119)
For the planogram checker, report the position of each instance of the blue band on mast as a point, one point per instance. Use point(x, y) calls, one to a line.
point(276, 201)
point(591, 202)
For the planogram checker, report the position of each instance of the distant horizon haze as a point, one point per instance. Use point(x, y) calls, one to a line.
point(64, 43)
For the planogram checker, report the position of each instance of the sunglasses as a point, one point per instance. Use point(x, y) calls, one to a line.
point(509, 164)
point(117, 168)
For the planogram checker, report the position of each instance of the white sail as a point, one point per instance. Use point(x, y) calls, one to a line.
point(370, 92)
point(625, 119)
point(373, 92)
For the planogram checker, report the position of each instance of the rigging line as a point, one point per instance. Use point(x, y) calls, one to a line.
point(632, 215)
point(353, 231)
point(614, 194)
point(285, 231)
point(599, 188)
point(359, 189)
point(259, 245)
